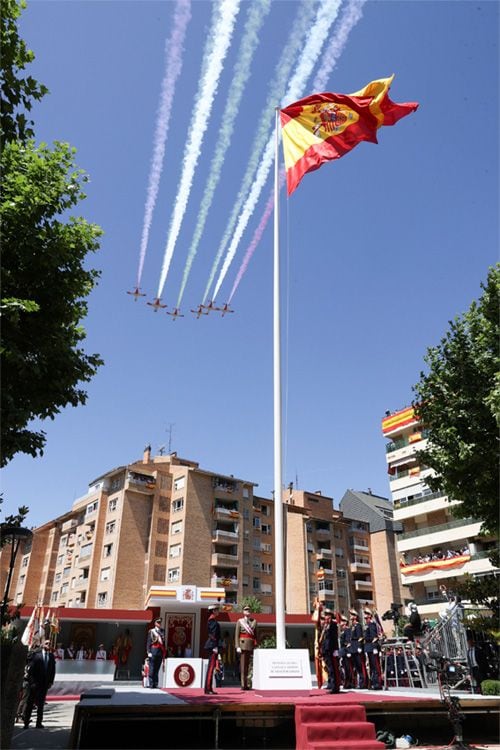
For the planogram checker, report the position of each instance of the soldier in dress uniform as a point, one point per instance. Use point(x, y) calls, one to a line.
point(245, 640)
point(372, 650)
point(345, 657)
point(156, 651)
point(212, 647)
point(355, 649)
point(329, 649)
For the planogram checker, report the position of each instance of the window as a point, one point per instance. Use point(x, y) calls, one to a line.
point(266, 529)
point(64, 541)
point(113, 503)
point(325, 586)
point(256, 584)
point(265, 547)
point(246, 492)
point(176, 527)
point(105, 574)
point(337, 533)
point(256, 523)
point(102, 599)
point(266, 567)
point(341, 573)
point(110, 527)
point(107, 550)
point(173, 575)
point(55, 596)
point(177, 505)
point(22, 580)
point(26, 561)
point(91, 507)
point(339, 552)
point(73, 582)
point(256, 543)
point(57, 578)
point(66, 572)
point(179, 483)
point(175, 550)
point(246, 514)
point(64, 589)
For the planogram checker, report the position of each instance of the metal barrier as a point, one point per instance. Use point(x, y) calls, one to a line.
point(401, 666)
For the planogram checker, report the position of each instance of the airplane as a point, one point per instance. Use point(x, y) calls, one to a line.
point(199, 312)
point(211, 306)
point(226, 309)
point(156, 304)
point(136, 294)
point(176, 313)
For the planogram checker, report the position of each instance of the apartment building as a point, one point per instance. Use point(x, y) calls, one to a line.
point(372, 542)
point(434, 548)
point(153, 522)
point(317, 553)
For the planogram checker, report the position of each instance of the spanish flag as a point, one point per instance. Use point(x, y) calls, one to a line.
point(322, 127)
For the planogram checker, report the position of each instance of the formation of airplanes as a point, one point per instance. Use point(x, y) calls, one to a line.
point(202, 309)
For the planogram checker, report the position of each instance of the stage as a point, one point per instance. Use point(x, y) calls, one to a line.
point(130, 716)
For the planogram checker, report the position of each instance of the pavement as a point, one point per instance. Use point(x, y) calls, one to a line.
point(58, 719)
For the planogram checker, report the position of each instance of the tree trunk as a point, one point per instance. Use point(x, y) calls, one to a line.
point(13, 663)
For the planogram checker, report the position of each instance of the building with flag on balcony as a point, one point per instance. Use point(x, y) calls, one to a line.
point(435, 549)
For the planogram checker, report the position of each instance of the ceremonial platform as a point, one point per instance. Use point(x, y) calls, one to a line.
point(130, 716)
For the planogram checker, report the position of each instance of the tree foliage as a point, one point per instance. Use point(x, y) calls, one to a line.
point(44, 247)
point(458, 402)
point(18, 90)
point(252, 602)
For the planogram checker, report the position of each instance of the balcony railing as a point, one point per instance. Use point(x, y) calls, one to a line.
point(404, 503)
point(434, 529)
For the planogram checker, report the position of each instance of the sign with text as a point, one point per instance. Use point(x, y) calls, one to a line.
point(288, 669)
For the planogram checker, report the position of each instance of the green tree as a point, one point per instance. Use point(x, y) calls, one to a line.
point(44, 281)
point(17, 90)
point(457, 401)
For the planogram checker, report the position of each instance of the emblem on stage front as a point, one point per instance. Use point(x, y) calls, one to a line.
point(184, 675)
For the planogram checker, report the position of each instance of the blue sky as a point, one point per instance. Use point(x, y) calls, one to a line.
point(380, 249)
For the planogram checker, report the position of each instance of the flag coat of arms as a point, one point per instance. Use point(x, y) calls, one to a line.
point(326, 126)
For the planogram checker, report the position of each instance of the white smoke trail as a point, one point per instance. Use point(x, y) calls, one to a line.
point(174, 47)
point(294, 43)
point(257, 12)
point(350, 16)
point(223, 21)
point(327, 14)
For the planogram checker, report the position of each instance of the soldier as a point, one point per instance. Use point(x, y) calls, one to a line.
point(212, 647)
point(318, 619)
point(245, 640)
point(329, 648)
point(355, 649)
point(372, 650)
point(345, 657)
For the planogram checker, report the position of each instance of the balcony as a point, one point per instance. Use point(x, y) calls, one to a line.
point(357, 567)
point(323, 552)
point(219, 558)
point(469, 527)
point(221, 511)
point(225, 537)
point(323, 533)
point(227, 583)
point(143, 483)
point(363, 585)
point(68, 525)
point(362, 547)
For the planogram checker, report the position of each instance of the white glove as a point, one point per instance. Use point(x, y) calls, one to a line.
point(150, 655)
point(215, 650)
point(238, 650)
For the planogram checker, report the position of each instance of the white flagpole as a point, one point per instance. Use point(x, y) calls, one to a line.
point(279, 547)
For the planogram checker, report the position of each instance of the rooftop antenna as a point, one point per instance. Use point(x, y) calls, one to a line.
point(170, 425)
point(161, 450)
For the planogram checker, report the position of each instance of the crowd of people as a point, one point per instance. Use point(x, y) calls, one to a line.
point(433, 556)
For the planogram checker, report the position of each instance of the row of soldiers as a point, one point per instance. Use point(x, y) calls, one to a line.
point(346, 652)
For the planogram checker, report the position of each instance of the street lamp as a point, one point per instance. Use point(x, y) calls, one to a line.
point(16, 534)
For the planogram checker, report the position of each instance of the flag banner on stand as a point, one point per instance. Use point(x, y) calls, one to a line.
point(326, 126)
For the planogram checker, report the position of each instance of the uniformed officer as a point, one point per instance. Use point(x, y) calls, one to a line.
point(355, 649)
point(211, 647)
point(372, 650)
point(345, 656)
point(329, 649)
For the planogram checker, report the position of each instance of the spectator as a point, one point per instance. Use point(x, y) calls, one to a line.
point(41, 675)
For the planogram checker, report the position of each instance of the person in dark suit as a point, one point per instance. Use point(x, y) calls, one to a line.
point(477, 663)
point(156, 651)
point(211, 647)
point(329, 649)
point(41, 676)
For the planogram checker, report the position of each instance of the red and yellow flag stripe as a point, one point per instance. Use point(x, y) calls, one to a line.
point(326, 126)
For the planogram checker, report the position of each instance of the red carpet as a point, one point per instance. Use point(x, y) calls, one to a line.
point(338, 727)
point(303, 697)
